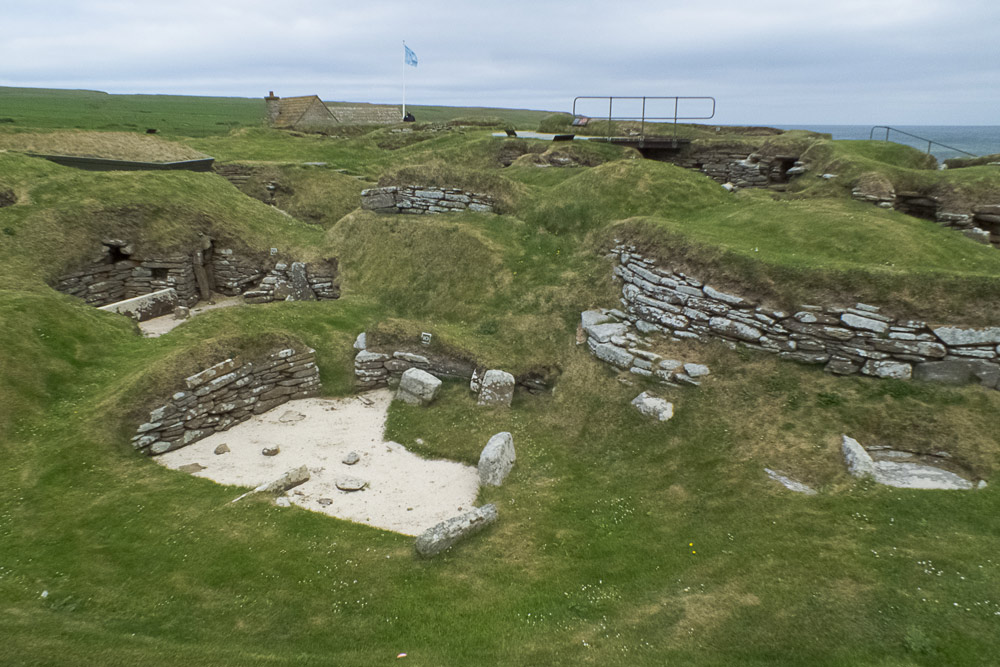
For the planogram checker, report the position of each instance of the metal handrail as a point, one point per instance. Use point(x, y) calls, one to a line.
point(871, 137)
point(643, 117)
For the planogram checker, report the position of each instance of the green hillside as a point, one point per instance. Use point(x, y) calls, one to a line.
point(621, 540)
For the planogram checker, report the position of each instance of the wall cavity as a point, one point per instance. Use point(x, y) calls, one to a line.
point(226, 394)
point(845, 341)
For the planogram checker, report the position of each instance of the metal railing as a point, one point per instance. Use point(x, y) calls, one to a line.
point(930, 142)
point(643, 117)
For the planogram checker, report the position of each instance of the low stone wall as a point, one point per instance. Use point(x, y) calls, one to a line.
point(726, 165)
point(234, 273)
point(145, 307)
point(980, 223)
point(297, 282)
point(226, 394)
point(116, 274)
point(107, 280)
point(845, 341)
point(375, 368)
point(416, 199)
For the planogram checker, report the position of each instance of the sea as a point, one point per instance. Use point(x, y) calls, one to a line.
point(949, 140)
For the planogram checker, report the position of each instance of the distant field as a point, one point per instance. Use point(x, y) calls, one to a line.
point(180, 115)
point(93, 110)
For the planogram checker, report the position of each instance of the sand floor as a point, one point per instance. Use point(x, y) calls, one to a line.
point(405, 493)
point(158, 326)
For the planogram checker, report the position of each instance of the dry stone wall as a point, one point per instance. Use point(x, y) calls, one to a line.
point(727, 165)
point(297, 282)
point(979, 222)
point(381, 367)
point(117, 274)
point(845, 341)
point(226, 394)
point(107, 281)
point(416, 199)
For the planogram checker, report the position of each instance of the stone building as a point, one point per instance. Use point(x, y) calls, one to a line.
point(310, 113)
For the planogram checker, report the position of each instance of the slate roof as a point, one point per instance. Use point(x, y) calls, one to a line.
point(292, 109)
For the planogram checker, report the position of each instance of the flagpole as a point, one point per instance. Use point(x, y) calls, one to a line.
point(404, 78)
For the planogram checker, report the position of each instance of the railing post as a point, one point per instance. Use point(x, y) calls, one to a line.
point(676, 102)
point(642, 127)
point(611, 101)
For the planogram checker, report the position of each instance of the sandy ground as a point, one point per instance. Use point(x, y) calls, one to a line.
point(405, 493)
point(161, 325)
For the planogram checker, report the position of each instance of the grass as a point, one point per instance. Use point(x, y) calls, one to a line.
point(621, 541)
point(112, 145)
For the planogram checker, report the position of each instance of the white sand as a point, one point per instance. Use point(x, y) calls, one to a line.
point(405, 493)
point(158, 326)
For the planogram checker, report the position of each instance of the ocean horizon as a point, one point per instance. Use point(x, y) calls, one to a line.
point(976, 139)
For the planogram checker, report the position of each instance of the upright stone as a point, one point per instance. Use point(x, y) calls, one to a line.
point(859, 462)
point(417, 387)
point(496, 389)
point(496, 459)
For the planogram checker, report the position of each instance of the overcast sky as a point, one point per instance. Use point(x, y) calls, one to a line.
point(903, 62)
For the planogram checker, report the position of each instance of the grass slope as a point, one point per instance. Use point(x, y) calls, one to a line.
point(621, 541)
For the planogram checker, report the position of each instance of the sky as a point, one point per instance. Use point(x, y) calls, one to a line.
point(865, 62)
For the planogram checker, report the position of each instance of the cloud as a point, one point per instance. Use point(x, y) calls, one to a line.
point(767, 61)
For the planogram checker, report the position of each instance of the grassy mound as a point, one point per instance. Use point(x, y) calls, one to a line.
point(621, 540)
point(112, 145)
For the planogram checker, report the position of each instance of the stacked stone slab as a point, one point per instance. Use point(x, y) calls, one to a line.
point(106, 281)
point(733, 165)
point(612, 338)
point(980, 223)
point(417, 199)
point(234, 273)
point(383, 367)
point(297, 282)
point(845, 341)
point(226, 394)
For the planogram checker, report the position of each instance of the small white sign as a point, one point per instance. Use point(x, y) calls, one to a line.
point(425, 338)
point(274, 251)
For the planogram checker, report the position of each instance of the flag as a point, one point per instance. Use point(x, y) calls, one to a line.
point(410, 56)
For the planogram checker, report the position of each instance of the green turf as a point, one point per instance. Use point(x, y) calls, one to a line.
point(621, 541)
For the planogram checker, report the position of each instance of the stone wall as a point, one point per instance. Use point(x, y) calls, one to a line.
point(366, 114)
point(729, 165)
point(226, 394)
point(114, 275)
point(145, 307)
point(297, 282)
point(383, 366)
point(117, 274)
point(844, 341)
point(234, 273)
point(418, 199)
point(979, 222)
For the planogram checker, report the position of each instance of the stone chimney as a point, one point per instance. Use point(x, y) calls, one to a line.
point(273, 107)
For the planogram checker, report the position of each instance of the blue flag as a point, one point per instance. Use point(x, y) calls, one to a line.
point(410, 56)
